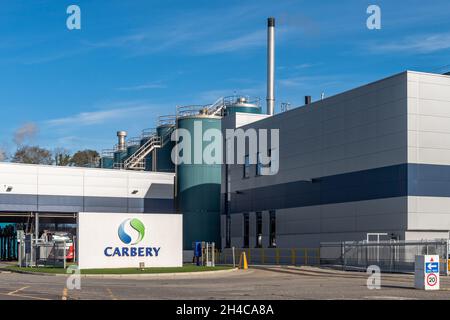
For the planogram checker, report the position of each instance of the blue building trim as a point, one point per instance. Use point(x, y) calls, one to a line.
point(378, 183)
point(70, 204)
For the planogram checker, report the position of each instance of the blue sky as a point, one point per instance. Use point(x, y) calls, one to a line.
point(135, 60)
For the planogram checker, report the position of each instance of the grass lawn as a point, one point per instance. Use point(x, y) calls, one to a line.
point(185, 268)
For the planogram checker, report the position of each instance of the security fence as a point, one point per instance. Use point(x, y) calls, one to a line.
point(270, 256)
point(389, 256)
point(34, 253)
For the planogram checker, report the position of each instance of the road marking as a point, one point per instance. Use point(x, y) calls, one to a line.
point(64, 294)
point(15, 294)
point(16, 291)
point(112, 296)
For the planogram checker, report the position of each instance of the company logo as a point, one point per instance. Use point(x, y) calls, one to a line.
point(131, 231)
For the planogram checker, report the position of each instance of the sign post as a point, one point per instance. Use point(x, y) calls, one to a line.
point(426, 275)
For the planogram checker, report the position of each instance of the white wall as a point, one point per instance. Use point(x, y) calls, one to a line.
point(70, 189)
point(97, 231)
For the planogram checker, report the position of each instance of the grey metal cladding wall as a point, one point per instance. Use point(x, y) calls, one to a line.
point(422, 180)
point(18, 202)
point(47, 203)
point(385, 182)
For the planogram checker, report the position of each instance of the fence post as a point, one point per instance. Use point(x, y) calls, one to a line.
point(306, 256)
point(263, 257)
point(234, 257)
point(293, 257)
point(277, 256)
point(446, 257)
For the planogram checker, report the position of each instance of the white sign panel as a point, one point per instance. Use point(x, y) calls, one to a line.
point(427, 272)
point(124, 240)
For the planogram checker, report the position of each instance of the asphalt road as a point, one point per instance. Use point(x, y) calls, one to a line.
point(266, 283)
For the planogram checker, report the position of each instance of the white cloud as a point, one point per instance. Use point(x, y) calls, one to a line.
point(99, 117)
point(250, 40)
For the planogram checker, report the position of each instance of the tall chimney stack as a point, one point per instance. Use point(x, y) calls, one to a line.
point(121, 140)
point(270, 65)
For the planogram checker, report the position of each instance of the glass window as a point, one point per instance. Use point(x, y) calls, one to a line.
point(246, 230)
point(246, 167)
point(258, 229)
point(259, 165)
point(272, 229)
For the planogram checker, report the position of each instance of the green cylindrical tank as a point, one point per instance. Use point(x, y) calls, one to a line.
point(198, 188)
point(242, 104)
point(120, 156)
point(164, 161)
point(131, 149)
point(106, 162)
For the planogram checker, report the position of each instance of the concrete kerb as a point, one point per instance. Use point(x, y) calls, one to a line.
point(128, 276)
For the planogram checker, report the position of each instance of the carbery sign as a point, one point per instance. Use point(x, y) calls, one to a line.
point(125, 240)
point(131, 231)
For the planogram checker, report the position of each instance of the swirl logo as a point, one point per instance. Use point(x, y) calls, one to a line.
point(131, 231)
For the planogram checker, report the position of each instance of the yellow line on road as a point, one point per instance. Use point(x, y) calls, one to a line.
point(112, 296)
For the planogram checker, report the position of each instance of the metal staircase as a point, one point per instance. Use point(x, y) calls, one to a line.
point(137, 161)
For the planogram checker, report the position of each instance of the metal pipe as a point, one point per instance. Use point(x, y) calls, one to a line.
point(270, 65)
point(121, 140)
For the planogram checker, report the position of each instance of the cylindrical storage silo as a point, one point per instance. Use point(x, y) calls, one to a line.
point(164, 161)
point(106, 162)
point(131, 149)
point(119, 158)
point(198, 186)
point(242, 104)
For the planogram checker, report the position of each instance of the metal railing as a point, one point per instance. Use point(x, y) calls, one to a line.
point(109, 153)
point(192, 110)
point(389, 256)
point(148, 132)
point(167, 120)
point(271, 256)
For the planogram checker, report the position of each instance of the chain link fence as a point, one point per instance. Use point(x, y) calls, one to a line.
point(389, 256)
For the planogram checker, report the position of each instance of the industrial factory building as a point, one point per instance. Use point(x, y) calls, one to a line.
point(374, 159)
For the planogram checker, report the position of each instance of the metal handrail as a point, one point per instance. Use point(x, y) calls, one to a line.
point(148, 132)
point(108, 153)
point(167, 120)
point(133, 141)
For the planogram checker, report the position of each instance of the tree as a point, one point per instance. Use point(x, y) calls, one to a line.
point(85, 158)
point(62, 157)
point(32, 155)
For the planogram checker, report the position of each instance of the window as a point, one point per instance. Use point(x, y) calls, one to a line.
point(258, 229)
point(259, 165)
point(246, 167)
point(246, 230)
point(272, 229)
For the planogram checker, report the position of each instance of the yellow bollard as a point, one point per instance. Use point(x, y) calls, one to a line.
point(243, 261)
